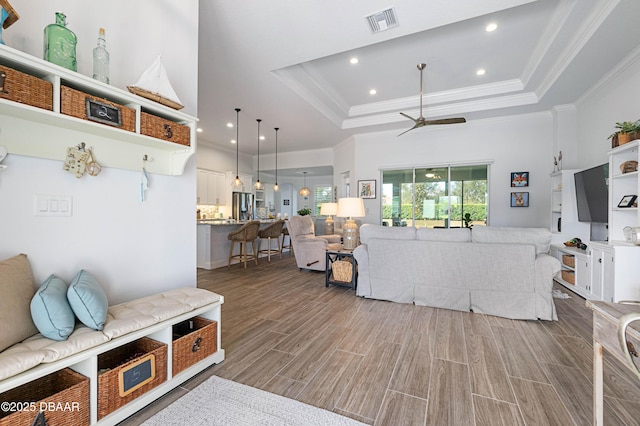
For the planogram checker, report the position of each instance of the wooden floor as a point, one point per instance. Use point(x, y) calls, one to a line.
point(388, 364)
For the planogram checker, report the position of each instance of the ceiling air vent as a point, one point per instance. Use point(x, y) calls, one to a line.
point(382, 20)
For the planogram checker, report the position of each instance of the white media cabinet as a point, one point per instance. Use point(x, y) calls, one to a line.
point(607, 270)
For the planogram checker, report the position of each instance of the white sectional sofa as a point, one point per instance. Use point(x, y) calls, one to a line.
point(498, 271)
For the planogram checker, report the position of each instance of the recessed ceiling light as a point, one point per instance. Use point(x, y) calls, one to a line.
point(233, 141)
point(481, 71)
point(354, 60)
point(261, 138)
point(373, 91)
point(229, 124)
point(491, 27)
point(199, 130)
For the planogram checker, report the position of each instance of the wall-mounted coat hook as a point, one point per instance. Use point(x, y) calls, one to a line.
point(3, 155)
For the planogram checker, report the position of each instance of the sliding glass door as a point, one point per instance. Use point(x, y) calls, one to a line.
point(435, 197)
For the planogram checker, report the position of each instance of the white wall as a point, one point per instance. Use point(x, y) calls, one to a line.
point(510, 144)
point(134, 248)
point(616, 99)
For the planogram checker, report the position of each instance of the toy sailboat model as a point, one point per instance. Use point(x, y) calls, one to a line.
point(154, 85)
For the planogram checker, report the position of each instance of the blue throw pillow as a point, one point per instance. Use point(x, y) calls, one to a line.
point(88, 300)
point(50, 309)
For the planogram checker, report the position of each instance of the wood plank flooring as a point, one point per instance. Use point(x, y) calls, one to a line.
point(390, 364)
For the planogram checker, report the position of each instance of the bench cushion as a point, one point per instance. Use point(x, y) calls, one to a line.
point(121, 319)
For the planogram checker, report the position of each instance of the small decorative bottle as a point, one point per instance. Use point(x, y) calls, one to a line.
point(60, 43)
point(101, 59)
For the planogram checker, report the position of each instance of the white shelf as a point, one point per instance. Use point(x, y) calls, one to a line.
point(36, 132)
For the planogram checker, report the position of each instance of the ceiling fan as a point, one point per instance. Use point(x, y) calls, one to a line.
point(421, 121)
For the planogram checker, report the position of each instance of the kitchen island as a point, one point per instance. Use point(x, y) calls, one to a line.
point(213, 244)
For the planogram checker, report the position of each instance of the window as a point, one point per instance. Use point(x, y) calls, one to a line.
point(435, 196)
point(321, 194)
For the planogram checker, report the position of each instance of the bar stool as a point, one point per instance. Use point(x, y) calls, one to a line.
point(244, 235)
point(271, 231)
point(285, 234)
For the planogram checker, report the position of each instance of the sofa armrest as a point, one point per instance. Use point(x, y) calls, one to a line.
point(546, 267)
point(361, 256)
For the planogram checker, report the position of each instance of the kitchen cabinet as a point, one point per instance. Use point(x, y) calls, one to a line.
point(211, 188)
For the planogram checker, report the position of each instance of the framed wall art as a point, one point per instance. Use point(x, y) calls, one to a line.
point(519, 199)
point(627, 201)
point(519, 179)
point(367, 188)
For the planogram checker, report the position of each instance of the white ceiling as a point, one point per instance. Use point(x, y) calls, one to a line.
point(287, 62)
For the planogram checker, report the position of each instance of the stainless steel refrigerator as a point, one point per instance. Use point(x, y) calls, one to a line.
point(242, 206)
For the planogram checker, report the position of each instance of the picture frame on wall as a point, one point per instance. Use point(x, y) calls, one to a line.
point(519, 199)
point(367, 188)
point(519, 179)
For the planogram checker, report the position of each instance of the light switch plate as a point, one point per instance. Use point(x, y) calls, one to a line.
point(53, 205)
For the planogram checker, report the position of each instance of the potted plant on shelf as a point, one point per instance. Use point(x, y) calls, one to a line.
point(626, 132)
point(304, 212)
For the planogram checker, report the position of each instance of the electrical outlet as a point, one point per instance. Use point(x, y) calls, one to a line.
point(53, 205)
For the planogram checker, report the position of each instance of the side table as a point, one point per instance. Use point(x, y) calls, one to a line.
point(343, 256)
point(607, 318)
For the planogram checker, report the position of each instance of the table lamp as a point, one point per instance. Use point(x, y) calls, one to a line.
point(329, 209)
point(350, 208)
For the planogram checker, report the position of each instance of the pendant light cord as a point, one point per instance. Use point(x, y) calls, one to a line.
point(276, 185)
point(258, 120)
point(237, 141)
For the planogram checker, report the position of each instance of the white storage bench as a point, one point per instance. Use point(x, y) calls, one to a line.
point(152, 317)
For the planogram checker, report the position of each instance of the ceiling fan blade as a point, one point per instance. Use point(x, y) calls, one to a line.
point(414, 127)
point(409, 117)
point(446, 121)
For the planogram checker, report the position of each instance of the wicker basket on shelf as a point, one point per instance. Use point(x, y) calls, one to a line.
point(569, 276)
point(65, 388)
point(569, 260)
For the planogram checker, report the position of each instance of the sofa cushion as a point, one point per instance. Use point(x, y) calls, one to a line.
point(461, 235)
point(369, 231)
point(17, 289)
point(88, 300)
point(51, 311)
point(539, 237)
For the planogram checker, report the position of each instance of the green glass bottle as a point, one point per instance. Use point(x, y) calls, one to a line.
point(60, 43)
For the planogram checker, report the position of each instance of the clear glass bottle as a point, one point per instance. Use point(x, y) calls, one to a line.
point(60, 43)
point(101, 59)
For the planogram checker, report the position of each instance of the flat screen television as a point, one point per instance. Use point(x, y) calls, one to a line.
point(592, 194)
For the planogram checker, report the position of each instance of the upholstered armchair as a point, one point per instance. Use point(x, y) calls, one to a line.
point(310, 249)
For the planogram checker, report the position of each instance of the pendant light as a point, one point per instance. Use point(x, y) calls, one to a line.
point(237, 183)
point(258, 184)
point(304, 191)
point(276, 187)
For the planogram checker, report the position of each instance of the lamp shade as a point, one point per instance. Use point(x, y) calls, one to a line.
point(350, 207)
point(328, 209)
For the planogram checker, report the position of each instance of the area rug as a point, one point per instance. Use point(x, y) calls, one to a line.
point(559, 294)
point(223, 402)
